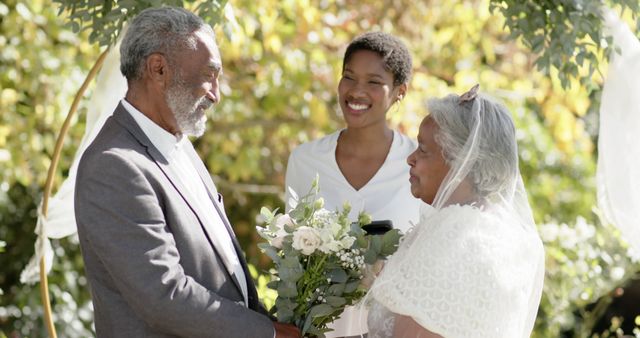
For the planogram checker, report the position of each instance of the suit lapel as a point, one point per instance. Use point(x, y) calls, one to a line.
point(128, 122)
point(216, 199)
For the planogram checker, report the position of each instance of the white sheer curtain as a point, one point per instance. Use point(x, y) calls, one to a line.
point(618, 172)
point(60, 221)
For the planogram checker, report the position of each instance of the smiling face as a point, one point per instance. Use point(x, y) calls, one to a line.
point(366, 90)
point(428, 166)
point(194, 87)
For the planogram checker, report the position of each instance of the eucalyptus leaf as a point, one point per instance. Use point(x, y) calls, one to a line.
point(290, 261)
point(375, 243)
point(297, 214)
point(290, 274)
point(307, 324)
point(287, 289)
point(336, 289)
point(370, 256)
point(285, 316)
point(336, 302)
point(351, 286)
point(267, 214)
point(316, 331)
point(337, 275)
point(270, 252)
point(390, 241)
point(320, 310)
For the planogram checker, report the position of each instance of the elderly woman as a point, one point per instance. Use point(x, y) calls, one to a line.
point(474, 265)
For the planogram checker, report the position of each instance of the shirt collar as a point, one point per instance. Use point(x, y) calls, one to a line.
point(160, 138)
point(333, 138)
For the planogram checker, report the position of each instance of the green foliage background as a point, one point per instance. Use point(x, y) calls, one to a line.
point(282, 61)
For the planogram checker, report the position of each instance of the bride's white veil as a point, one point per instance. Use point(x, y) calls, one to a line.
point(478, 139)
point(483, 195)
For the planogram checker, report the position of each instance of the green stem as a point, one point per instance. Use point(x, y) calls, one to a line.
point(312, 277)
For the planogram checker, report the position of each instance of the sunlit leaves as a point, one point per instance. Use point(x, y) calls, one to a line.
point(104, 20)
point(567, 35)
point(41, 67)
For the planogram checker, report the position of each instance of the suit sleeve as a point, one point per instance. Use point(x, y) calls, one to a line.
point(121, 221)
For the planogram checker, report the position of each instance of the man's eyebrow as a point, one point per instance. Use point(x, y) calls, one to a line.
point(215, 66)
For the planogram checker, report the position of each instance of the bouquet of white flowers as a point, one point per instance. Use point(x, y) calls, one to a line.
point(320, 259)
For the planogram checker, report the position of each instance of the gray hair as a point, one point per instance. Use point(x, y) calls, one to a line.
point(162, 30)
point(494, 153)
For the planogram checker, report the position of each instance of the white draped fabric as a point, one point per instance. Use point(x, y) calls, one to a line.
point(60, 221)
point(618, 173)
point(470, 273)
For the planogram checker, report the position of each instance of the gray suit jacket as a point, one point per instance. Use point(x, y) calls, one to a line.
point(152, 265)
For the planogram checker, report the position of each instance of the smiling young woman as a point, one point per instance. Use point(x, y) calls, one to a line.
point(365, 163)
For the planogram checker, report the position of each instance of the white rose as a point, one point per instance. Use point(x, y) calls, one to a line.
point(281, 233)
point(306, 240)
point(283, 220)
point(347, 241)
point(276, 242)
point(329, 244)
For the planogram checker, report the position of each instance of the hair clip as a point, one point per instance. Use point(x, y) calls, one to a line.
point(470, 95)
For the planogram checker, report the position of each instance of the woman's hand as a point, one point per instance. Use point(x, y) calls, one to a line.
point(406, 327)
point(371, 272)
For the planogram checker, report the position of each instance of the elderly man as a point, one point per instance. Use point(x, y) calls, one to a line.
point(160, 255)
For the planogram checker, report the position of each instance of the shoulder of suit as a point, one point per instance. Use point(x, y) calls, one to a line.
point(113, 138)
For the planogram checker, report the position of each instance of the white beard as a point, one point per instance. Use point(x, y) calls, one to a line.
point(188, 110)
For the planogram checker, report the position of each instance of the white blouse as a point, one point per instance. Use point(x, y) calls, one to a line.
point(387, 196)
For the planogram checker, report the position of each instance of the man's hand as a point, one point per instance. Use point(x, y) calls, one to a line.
point(286, 330)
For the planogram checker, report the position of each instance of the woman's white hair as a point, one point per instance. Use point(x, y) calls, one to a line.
point(164, 30)
point(493, 150)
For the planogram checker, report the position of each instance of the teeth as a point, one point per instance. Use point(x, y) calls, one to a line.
point(356, 106)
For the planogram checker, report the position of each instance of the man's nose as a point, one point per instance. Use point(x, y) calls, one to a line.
point(213, 94)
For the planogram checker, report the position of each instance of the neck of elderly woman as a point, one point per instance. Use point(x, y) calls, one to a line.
point(465, 194)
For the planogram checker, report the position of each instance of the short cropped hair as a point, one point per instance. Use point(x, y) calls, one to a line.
point(163, 30)
point(394, 53)
point(496, 156)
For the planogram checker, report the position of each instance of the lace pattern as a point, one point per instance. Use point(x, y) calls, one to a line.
point(462, 272)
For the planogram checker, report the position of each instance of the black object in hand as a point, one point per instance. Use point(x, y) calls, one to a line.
point(378, 227)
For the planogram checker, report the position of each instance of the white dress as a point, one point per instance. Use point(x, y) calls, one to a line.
point(462, 272)
point(387, 196)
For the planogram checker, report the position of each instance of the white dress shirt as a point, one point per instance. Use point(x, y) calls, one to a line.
point(387, 196)
point(176, 150)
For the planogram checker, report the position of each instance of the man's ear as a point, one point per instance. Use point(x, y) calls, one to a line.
point(157, 69)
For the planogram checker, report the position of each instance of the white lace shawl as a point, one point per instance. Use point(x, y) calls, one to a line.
point(463, 272)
